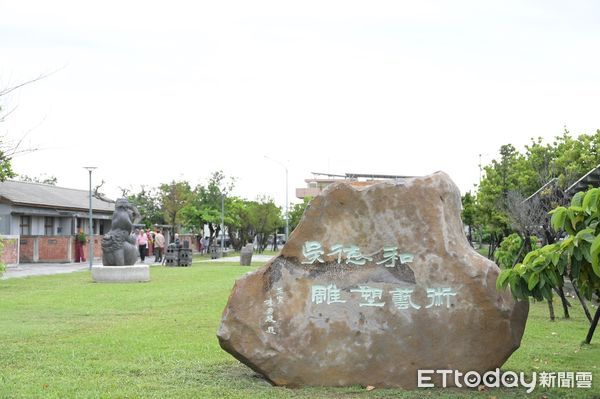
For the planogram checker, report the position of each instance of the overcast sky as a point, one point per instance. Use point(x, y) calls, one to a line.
point(154, 91)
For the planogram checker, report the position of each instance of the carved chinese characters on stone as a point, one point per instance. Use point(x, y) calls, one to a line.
point(270, 305)
point(399, 297)
point(352, 255)
point(375, 283)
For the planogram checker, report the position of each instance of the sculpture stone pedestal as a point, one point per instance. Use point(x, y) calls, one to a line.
point(121, 274)
point(246, 255)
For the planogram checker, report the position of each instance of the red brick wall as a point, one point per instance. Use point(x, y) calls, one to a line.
point(193, 243)
point(26, 249)
point(86, 249)
point(97, 247)
point(53, 248)
point(10, 252)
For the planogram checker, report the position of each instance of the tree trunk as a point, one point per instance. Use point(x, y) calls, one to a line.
point(495, 243)
point(590, 334)
point(235, 238)
point(551, 310)
point(261, 242)
point(491, 247)
point(549, 235)
point(564, 301)
point(582, 301)
point(525, 249)
point(470, 236)
point(217, 230)
point(211, 236)
point(520, 256)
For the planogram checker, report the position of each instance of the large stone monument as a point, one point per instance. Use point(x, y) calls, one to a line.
point(119, 252)
point(374, 284)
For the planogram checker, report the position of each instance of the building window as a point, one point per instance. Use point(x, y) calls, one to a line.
point(95, 226)
point(101, 232)
point(25, 226)
point(49, 226)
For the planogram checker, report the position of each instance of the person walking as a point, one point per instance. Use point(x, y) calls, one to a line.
point(80, 241)
point(150, 245)
point(159, 246)
point(205, 245)
point(142, 242)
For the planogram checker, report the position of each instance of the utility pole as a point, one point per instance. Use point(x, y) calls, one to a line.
point(222, 223)
point(91, 231)
point(287, 216)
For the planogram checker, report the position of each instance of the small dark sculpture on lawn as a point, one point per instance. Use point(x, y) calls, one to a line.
point(118, 245)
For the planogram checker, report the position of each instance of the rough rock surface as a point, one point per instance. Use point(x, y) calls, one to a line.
point(398, 289)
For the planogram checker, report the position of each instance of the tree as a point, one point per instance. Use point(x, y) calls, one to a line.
point(42, 179)
point(529, 219)
point(148, 203)
point(174, 197)
point(507, 254)
point(239, 221)
point(204, 206)
point(266, 218)
point(468, 213)
point(297, 212)
point(577, 256)
point(8, 148)
point(507, 174)
point(575, 157)
point(562, 162)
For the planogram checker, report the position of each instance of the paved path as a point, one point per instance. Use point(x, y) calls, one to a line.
point(45, 269)
point(255, 258)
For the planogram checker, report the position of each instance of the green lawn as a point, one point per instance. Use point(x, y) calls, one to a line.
point(64, 336)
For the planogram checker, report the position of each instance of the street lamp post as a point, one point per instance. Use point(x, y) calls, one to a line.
point(91, 232)
point(222, 223)
point(287, 216)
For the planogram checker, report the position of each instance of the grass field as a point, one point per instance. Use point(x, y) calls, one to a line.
point(63, 336)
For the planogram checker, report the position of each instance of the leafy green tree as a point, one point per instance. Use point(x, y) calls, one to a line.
point(501, 177)
point(204, 207)
point(565, 160)
point(468, 214)
point(238, 222)
point(507, 254)
point(577, 256)
point(6, 171)
point(266, 219)
point(529, 219)
point(574, 157)
point(297, 211)
point(148, 203)
point(174, 196)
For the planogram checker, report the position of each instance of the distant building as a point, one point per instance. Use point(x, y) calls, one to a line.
point(319, 181)
point(45, 218)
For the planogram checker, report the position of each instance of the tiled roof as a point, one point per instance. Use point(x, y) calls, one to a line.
point(43, 195)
